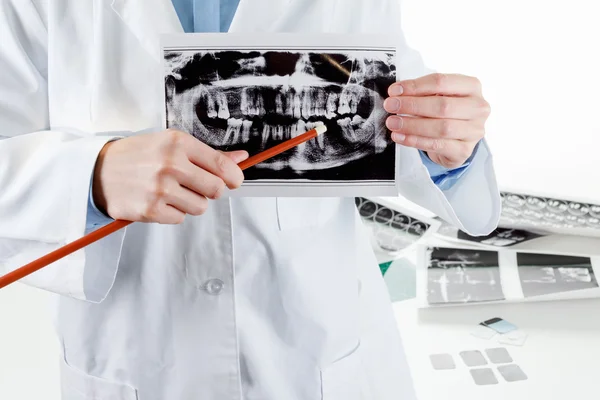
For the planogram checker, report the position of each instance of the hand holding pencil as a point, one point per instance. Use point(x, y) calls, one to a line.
point(161, 177)
point(187, 174)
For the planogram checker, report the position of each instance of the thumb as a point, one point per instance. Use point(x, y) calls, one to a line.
point(237, 156)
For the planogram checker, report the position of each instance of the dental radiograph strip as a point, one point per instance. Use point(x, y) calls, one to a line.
point(252, 98)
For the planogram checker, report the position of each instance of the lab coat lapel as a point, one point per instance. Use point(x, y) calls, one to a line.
point(148, 19)
point(312, 13)
point(272, 15)
point(322, 16)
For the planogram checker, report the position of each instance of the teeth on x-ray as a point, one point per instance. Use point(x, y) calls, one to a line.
point(253, 100)
point(330, 108)
point(233, 130)
point(223, 107)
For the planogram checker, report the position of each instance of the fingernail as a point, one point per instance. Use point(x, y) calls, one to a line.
point(398, 137)
point(394, 123)
point(391, 104)
point(240, 156)
point(396, 90)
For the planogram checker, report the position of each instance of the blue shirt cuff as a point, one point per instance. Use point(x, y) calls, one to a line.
point(446, 178)
point(95, 218)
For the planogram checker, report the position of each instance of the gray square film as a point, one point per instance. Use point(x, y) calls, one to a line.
point(512, 373)
point(463, 276)
point(473, 358)
point(483, 376)
point(499, 355)
point(442, 361)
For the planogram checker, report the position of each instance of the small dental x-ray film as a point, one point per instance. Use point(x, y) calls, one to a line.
point(252, 92)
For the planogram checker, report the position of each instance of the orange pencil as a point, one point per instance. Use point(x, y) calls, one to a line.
point(281, 147)
point(114, 226)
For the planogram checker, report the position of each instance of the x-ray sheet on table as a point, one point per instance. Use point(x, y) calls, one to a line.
point(550, 215)
point(254, 91)
point(448, 275)
point(512, 238)
point(463, 276)
point(544, 274)
point(500, 237)
point(393, 229)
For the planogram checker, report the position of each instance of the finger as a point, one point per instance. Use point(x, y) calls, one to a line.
point(170, 215)
point(237, 156)
point(436, 128)
point(199, 181)
point(464, 108)
point(455, 151)
point(214, 162)
point(162, 213)
point(187, 201)
point(444, 84)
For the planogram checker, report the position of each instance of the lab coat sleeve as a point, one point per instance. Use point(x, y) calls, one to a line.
point(444, 177)
point(473, 203)
point(44, 173)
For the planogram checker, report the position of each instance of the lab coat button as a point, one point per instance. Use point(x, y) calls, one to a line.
point(214, 286)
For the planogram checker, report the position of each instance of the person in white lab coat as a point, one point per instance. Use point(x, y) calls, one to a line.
point(244, 298)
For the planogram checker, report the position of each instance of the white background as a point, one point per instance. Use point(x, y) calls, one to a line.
point(539, 64)
point(540, 68)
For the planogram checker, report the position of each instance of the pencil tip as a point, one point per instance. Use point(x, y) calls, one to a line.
point(320, 129)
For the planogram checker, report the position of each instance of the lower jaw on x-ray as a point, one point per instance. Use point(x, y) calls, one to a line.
point(254, 109)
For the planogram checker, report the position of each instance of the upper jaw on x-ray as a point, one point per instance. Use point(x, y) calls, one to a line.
point(254, 100)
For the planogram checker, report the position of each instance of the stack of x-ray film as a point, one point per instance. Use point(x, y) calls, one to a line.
point(543, 249)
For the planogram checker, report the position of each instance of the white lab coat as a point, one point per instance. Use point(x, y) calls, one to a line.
point(258, 299)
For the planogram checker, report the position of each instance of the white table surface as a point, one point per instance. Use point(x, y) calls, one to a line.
point(561, 356)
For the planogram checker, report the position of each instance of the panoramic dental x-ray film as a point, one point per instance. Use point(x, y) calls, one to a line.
point(234, 94)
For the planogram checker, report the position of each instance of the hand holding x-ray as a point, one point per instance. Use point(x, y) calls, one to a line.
point(442, 114)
